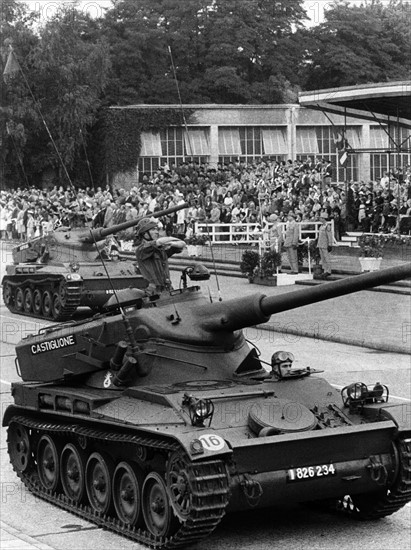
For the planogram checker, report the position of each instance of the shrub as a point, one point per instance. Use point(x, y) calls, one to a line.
point(252, 264)
point(269, 263)
point(250, 260)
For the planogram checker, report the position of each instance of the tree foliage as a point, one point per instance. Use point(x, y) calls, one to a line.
point(161, 51)
point(64, 69)
point(358, 44)
point(225, 51)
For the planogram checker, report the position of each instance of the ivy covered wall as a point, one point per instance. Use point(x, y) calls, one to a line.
point(118, 136)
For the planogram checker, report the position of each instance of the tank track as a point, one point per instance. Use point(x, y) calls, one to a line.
point(209, 476)
point(71, 301)
point(373, 507)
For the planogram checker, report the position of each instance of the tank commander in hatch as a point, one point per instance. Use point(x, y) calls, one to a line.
point(152, 255)
point(282, 364)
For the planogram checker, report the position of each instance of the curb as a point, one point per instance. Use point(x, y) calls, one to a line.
point(28, 543)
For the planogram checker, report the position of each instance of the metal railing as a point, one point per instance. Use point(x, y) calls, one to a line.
point(233, 233)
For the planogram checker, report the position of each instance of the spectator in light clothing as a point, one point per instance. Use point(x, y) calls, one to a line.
point(291, 242)
point(325, 244)
point(275, 234)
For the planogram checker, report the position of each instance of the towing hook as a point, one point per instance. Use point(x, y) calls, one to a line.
point(378, 471)
point(252, 490)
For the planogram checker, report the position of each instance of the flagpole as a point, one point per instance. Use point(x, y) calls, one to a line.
point(345, 127)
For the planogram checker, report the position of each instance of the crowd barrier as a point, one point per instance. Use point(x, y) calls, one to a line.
point(233, 233)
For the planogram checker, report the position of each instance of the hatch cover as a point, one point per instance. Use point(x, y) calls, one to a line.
point(280, 416)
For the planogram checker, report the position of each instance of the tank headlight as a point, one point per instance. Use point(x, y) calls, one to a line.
point(358, 394)
point(73, 277)
point(356, 391)
point(199, 410)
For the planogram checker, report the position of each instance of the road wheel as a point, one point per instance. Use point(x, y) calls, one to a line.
point(19, 301)
point(127, 485)
point(178, 483)
point(7, 295)
point(72, 468)
point(157, 512)
point(37, 302)
point(99, 473)
point(19, 447)
point(48, 464)
point(63, 292)
point(28, 300)
point(47, 303)
point(56, 307)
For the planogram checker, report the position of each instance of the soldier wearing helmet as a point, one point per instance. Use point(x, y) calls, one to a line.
point(152, 254)
point(282, 363)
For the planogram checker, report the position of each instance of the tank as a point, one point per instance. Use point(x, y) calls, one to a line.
point(52, 276)
point(156, 418)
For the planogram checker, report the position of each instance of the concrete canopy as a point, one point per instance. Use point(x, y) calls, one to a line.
point(387, 102)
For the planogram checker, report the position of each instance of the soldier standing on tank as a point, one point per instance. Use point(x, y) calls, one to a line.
point(325, 245)
point(152, 255)
point(291, 242)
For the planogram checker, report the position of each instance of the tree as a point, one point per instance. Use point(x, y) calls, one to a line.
point(225, 51)
point(16, 29)
point(358, 44)
point(63, 75)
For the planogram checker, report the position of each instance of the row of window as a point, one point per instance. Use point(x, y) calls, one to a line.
point(175, 145)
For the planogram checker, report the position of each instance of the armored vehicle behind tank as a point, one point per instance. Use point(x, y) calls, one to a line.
point(52, 276)
point(157, 418)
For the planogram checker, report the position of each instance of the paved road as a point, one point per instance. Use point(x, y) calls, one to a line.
point(375, 320)
point(302, 528)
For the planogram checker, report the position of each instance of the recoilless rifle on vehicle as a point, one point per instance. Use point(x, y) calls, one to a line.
point(156, 418)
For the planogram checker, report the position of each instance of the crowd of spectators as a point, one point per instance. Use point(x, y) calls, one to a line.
point(236, 192)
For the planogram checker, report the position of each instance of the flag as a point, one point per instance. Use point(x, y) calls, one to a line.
point(341, 142)
point(343, 158)
point(338, 140)
point(12, 67)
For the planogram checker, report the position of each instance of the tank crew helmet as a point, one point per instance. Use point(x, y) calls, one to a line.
point(145, 225)
point(281, 363)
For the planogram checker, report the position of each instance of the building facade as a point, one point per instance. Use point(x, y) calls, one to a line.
point(223, 133)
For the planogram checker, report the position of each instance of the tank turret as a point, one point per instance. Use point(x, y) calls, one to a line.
point(160, 326)
point(241, 313)
point(68, 245)
point(51, 276)
point(156, 418)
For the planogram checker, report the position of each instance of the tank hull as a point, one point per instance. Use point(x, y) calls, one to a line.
point(156, 420)
point(339, 457)
point(56, 291)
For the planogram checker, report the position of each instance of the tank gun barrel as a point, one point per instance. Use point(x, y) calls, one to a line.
point(249, 311)
point(101, 233)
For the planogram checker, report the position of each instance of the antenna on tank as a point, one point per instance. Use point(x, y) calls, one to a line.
point(191, 153)
point(180, 100)
point(133, 343)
